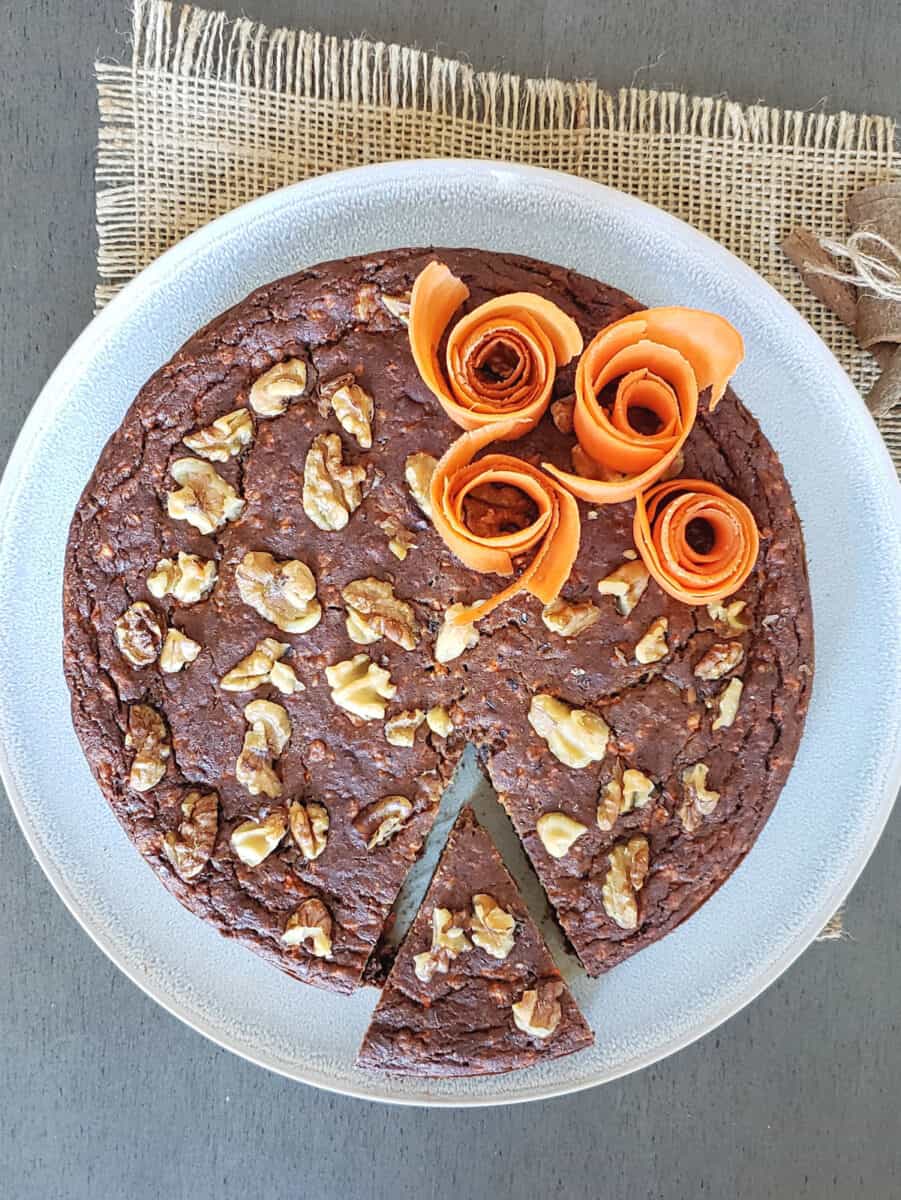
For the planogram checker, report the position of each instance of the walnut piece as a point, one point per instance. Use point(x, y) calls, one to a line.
point(448, 941)
point(190, 849)
point(652, 647)
point(373, 612)
point(627, 583)
point(283, 592)
point(378, 822)
point(631, 789)
point(254, 841)
point(574, 736)
point(727, 704)
point(538, 1012)
point(271, 392)
point(310, 923)
point(454, 640)
point(205, 500)
point(629, 863)
point(275, 721)
point(139, 634)
point(400, 543)
point(360, 687)
point(418, 471)
point(254, 769)
point(353, 407)
point(731, 617)
point(720, 659)
point(438, 720)
point(567, 619)
point(400, 730)
point(558, 833)
point(261, 666)
point(492, 928)
point(331, 489)
point(188, 580)
point(562, 413)
point(698, 801)
point(178, 650)
point(309, 828)
point(148, 737)
point(226, 437)
point(398, 306)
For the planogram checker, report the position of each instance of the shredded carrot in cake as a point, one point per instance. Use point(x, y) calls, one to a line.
point(551, 535)
point(501, 358)
point(703, 564)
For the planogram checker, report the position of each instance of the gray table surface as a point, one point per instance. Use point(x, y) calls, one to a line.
point(104, 1094)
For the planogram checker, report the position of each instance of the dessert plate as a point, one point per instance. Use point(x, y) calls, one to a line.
point(818, 838)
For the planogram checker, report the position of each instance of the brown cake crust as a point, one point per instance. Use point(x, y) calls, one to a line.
point(333, 317)
point(460, 1022)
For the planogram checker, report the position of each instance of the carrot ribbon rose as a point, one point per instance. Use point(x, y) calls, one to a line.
point(662, 358)
point(707, 562)
point(495, 509)
point(501, 358)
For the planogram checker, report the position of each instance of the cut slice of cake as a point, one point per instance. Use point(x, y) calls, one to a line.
point(473, 990)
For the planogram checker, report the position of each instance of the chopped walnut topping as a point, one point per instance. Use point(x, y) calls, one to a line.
point(178, 650)
point(331, 488)
point(309, 828)
point(567, 619)
point(400, 730)
point(271, 393)
point(254, 841)
point(205, 500)
point(562, 413)
point(652, 646)
point(538, 1011)
point(558, 833)
point(720, 659)
point(492, 928)
point(631, 789)
point(733, 617)
point(453, 640)
point(727, 704)
point(353, 407)
point(190, 849)
point(448, 941)
point(629, 863)
point(418, 471)
point(263, 665)
point(310, 923)
point(139, 634)
point(360, 687)
point(281, 592)
point(381, 820)
point(398, 306)
point(574, 736)
point(148, 737)
point(438, 720)
point(189, 579)
point(373, 612)
point(627, 583)
point(698, 800)
point(226, 437)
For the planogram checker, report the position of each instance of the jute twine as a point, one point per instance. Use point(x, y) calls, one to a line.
point(210, 113)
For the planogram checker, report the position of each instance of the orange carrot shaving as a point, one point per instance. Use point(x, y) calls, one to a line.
point(553, 534)
point(661, 529)
point(662, 358)
point(501, 358)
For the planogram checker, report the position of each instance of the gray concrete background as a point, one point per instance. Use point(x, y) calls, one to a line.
point(102, 1094)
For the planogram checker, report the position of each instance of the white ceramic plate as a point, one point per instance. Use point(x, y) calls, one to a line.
point(847, 772)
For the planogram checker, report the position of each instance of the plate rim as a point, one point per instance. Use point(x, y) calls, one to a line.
point(498, 171)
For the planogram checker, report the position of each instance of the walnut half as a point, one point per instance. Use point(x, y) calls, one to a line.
point(282, 383)
point(353, 407)
point(190, 849)
point(360, 687)
point(382, 819)
point(629, 863)
point(373, 612)
point(148, 737)
point(574, 736)
point(538, 1012)
point(310, 926)
point(283, 592)
point(309, 828)
point(492, 928)
point(188, 579)
point(205, 500)
point(448, 941)
point(226, 437)
point(254, 841)
point(139, 634)
point(331, 489)
point(698, 801)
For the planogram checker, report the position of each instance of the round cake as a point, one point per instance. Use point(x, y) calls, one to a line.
point(270, 692)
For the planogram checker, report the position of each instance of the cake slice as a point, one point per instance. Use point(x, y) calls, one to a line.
point(473, 990)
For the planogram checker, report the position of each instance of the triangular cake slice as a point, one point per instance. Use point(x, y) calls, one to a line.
point(473, 990)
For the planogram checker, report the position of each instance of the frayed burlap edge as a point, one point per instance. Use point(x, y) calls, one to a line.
point(193, 70)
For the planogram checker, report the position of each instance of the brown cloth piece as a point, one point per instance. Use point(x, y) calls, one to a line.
point(878, 210)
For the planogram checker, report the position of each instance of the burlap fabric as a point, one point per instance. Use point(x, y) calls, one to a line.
point(210, 113)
